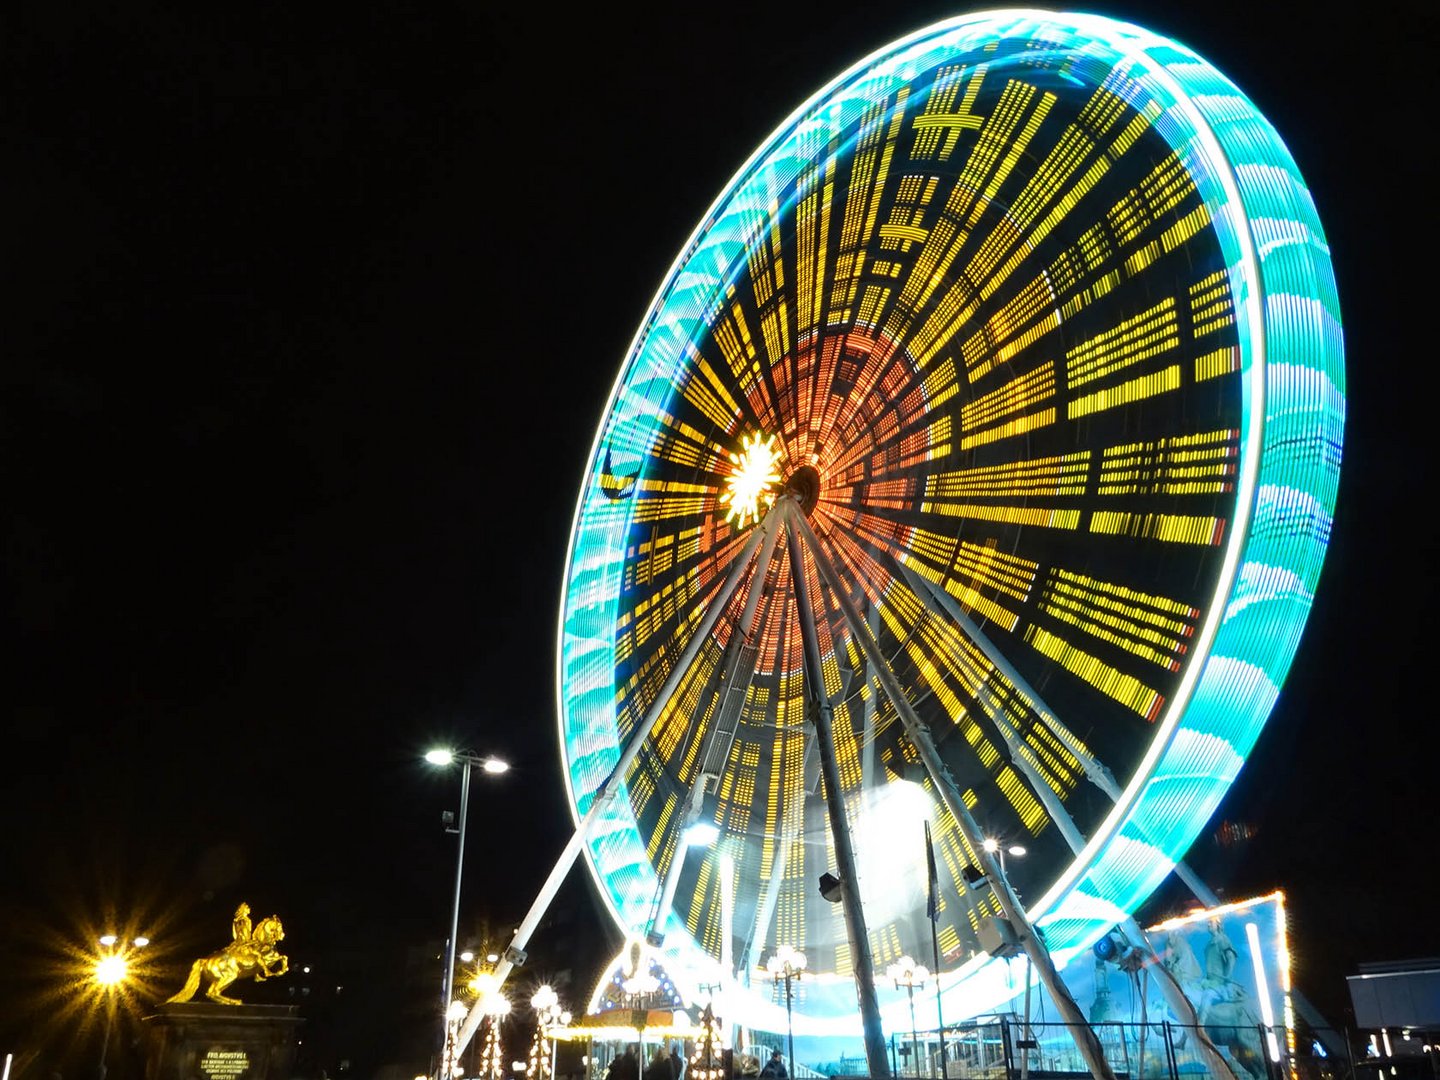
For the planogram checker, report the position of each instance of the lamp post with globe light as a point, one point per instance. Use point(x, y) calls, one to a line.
point(996, 847)
point(467, 762)
point(548, 1016)
point(787, 963)
point(907, 973)
point(494, 1006)
point(112, 968)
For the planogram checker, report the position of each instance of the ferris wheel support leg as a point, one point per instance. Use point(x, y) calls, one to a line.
point(1180, 1005)
point(919, 734)
point(873, 1031)
point(608, 788)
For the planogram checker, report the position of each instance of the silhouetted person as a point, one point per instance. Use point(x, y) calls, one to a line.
point(626, 1066)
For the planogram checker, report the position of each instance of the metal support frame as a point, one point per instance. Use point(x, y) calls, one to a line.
point(872, 1030)
point(920, 737)
point(610, 786)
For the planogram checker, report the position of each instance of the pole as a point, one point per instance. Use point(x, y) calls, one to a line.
point(839, 826)
point(914, 1030)
point(447, 983)
point(934, 912)
point(1029, 1033)
point(789, 1022)
point(920, 737)
point(105, 1042)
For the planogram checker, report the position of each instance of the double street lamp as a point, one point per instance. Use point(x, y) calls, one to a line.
point(907, 973)
point(787, 963)
point(467, 762)
point(997, 847)
point(112, 968)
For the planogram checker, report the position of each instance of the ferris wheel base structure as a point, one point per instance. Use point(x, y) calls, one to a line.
point(1032, 316)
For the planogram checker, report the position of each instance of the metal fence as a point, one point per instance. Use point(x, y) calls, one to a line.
point(1007, 1047)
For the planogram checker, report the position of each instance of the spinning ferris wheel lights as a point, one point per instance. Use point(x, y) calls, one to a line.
point(1041, 306)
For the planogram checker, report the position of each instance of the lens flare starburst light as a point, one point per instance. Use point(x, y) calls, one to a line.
point(753, 480)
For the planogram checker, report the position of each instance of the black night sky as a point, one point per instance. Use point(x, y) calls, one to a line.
point(311, 313)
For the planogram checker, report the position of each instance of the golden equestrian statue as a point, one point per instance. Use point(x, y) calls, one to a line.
point(253, 952)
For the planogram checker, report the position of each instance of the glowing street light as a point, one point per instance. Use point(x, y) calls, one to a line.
point(787, 963)
point(112, 968)
point(548, 1016)
point(467, 762)
point(995, 847)
point(907, 973)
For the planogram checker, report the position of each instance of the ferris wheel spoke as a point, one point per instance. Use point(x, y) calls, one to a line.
point(738, 671)
point(1094, 769)
point(939, 601)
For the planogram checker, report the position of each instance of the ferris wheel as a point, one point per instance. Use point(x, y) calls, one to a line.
point(968, 478)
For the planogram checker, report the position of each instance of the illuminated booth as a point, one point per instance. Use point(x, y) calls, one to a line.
point(1233, 964)
point(634, 1003)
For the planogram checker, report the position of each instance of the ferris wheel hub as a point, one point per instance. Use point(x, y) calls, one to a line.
point(804, 485)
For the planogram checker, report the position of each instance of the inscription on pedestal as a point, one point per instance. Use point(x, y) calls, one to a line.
point(205, 1041)
point(224, 1064)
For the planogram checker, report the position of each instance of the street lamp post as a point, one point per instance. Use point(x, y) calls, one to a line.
point(995, 847)
point(548, 1015)
point(112, 967)
point(495, 1006)
point(467, 762)
point(787, 963)
point(907, 973)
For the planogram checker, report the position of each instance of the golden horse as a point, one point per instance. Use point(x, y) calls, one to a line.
point(256, 956)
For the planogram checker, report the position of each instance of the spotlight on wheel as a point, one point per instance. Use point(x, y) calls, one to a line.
point(1113, 948)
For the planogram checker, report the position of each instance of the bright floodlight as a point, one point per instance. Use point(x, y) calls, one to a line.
point(141, 942)
point(110, 970)
point(467, 956)
point(495, 765)
point(439, 757)
point(108, 939)
point(457, 1011)
point(991, 844)
point(752, 480)
point(701, 833)
point(1018, 850)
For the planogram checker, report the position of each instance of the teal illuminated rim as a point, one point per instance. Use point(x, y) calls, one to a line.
point(1291, 350)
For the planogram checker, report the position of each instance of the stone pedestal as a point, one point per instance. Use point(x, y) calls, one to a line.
point(206, 1041)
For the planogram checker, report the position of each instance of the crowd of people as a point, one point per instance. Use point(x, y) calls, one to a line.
point(664, 1064)
point(668, 1064)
